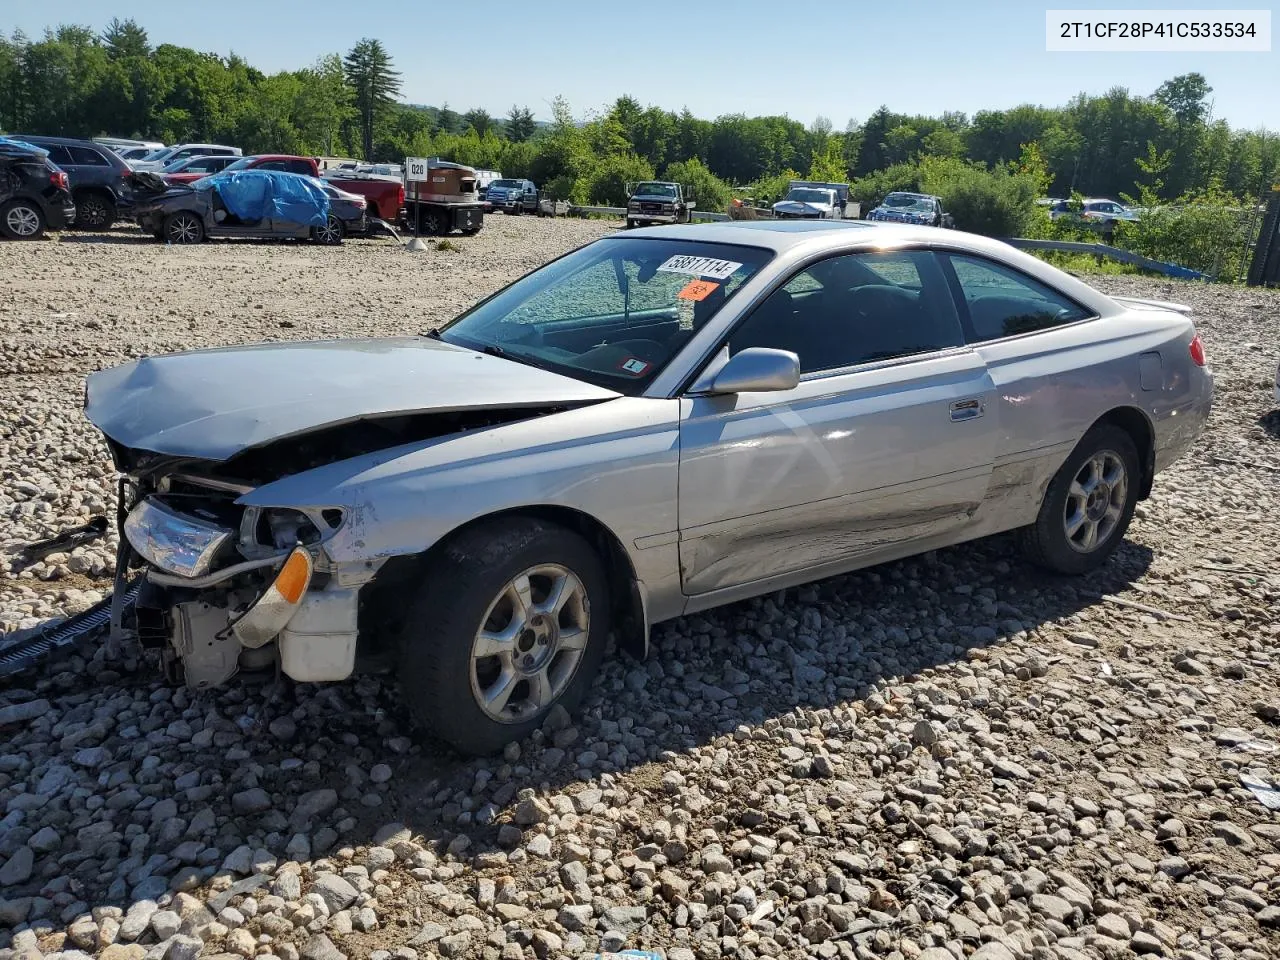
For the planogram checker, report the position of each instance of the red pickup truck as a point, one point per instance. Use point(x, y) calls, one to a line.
point(194, 170)
point(385, 195)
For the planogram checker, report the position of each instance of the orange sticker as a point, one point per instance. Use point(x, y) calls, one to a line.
point(697, 290)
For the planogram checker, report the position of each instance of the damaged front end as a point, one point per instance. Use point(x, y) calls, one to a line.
point(210, 445)
point(230, 588)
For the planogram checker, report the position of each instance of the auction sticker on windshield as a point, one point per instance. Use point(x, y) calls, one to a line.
point(697, 290)
point(700, 266)
point(634, 366)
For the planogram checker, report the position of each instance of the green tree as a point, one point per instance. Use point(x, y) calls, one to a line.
point(480, 121)
point(124, 39)
point(1186, 98)
point(943, 142)
point(520, 125)
point(447, 120)
point(610, 176)
point(323, 105)
point(374, 83)
point(829, 166)
point(709, 191)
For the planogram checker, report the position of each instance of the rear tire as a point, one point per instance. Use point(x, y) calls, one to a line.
point(1088, 504)
point(22, 220)
point(435, 223)
point(479, 666)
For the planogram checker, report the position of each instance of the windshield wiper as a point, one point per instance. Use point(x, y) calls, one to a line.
point(493, 350)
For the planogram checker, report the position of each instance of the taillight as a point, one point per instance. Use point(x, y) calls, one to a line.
point(59, 179)
point(1196, 347)
point(400, 202)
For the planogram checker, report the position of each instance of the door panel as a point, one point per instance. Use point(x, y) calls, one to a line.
point(843, 467)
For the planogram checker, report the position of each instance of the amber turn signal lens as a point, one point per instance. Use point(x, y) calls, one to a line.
point(294, 576)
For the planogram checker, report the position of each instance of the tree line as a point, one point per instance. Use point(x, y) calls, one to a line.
point(73, 81)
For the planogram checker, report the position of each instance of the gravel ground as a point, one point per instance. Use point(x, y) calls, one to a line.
point(948, 757)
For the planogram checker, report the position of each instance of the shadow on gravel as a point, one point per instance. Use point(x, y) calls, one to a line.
point(299, 776)
point(123, 239)
point(1270, 423)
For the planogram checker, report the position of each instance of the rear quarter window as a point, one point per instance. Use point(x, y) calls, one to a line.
point(1003, 302)
point(88, 157)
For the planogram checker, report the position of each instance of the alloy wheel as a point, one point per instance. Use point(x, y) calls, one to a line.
point(1096, 501)
point(184, 229)
point(331, 232)
point(23, 221)
point(530, 642)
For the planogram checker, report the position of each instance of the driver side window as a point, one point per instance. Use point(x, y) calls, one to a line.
point(855, 309)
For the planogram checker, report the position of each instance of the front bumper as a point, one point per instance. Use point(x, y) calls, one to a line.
point(651, 217)
point(213, 612)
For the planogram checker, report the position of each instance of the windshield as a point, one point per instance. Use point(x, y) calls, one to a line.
point(905, 201)
point(505, 183)
point(656, 190)
point(240, 164)
point(612, 313)
point(809, 195)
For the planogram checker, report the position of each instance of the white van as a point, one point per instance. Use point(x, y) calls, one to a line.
point(162, 158)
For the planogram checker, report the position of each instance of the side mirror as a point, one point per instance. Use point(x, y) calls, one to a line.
point(756, 370)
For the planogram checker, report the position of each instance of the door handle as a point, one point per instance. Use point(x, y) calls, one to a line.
point(966, 410)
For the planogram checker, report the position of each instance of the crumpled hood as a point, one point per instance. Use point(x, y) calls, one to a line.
point(213, 404)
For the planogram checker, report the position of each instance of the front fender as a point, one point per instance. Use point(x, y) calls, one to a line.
point(616, 461)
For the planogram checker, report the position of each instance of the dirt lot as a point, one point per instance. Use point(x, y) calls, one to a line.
point(946, 757)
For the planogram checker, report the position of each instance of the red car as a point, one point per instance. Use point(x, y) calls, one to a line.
point(193, 169)
point(385, 195)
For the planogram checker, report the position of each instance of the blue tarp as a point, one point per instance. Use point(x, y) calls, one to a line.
point(10, 145)
point(254, 195)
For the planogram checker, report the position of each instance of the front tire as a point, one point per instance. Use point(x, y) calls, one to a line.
point(22, 220)
point(94, 212)
point(512, 619)
point(1088, 504)
point(183, 227)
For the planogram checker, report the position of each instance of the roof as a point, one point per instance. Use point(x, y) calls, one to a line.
point(781, 236)
point(60, 141)
point(776, 235)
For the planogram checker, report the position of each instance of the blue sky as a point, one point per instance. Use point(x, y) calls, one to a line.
point(838, 60)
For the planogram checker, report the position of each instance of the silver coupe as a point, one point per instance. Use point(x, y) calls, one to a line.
point(662, 421)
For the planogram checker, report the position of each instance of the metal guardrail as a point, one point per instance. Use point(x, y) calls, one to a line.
point(1114, 253)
